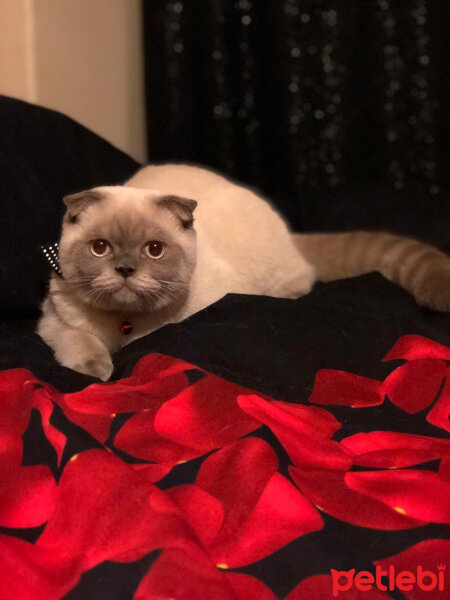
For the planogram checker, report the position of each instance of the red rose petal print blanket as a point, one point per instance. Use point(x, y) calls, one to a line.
point(177, 483)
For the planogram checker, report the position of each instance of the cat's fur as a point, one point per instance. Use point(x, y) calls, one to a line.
point(238, 243)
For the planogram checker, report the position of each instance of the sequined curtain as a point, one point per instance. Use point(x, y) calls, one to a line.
point(303, 98)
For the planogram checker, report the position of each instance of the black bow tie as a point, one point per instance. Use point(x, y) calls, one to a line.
point(51, 254)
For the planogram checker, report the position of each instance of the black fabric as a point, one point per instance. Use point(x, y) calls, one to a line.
point(276, 347)
point(44, 155)
point(269, 344)
point(336, 110)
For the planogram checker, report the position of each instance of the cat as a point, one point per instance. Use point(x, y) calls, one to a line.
point(176, 238)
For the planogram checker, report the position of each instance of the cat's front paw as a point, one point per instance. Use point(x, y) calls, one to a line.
point(97, 366)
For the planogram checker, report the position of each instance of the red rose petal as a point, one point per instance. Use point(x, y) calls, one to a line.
point(281, 515)
point(307, 447)
point(320, 587)
point(45, 406)
point(412, 347)
point(413, 386)
point(388, 449)
point(27, 495)
point(317, 418)
point(111, 504)
point(155, 379)
point(171, 526)
point(203, 512)
point(237, 476)
point(20, 392)
point(240, 509)
point(396, 459)
point(179, 576)
point(16, 401)
point(153, 472)
point(428, 555)
point(416, 494)
point(444, 470)
point(262, 510)
point(13, 380)
point(328, 491)
point(439, 415)
point(340, 388)
point(155, 366)
point(139, 438)
point(123, 396)
point(29, 573)
point(205, 416)
point(98, 426)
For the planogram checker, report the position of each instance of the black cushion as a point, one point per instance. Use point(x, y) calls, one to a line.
point(44, 155)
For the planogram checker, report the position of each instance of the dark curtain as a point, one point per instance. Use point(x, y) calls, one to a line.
point(312, 101)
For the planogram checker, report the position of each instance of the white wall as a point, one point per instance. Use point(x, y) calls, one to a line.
point(81, 57)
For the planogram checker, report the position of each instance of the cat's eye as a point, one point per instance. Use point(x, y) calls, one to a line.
point(100, 247)
point(155, 249)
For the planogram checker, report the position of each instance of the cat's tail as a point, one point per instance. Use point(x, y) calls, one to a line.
point(421, 269)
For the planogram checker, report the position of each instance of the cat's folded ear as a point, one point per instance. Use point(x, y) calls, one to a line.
point(183, 208)
point(76, 203)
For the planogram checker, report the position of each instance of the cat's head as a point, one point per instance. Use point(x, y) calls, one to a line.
point(128, 249)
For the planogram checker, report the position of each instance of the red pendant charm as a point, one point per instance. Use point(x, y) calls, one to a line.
point(126, 328)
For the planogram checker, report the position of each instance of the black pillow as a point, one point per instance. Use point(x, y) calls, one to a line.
point(44, 155)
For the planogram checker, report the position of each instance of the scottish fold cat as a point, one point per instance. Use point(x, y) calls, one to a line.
point(176, 238)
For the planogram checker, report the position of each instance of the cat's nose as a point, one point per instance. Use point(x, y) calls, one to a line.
point(125, 271)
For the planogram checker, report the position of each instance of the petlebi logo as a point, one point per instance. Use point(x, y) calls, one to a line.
point(389, 580)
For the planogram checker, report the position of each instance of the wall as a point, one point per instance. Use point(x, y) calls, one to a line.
point(81, 57)
point(15, 49)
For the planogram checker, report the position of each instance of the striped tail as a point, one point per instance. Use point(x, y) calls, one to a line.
point(420, 269)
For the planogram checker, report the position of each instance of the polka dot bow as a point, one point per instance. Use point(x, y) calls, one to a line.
point(51, 254)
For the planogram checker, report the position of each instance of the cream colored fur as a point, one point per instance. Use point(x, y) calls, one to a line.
point(243, 245)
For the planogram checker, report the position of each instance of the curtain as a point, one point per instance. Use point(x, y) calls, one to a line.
point(304, 99)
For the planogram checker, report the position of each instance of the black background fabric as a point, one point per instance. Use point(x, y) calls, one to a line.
point(336, 110)
point(43, 156)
